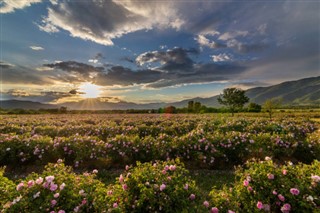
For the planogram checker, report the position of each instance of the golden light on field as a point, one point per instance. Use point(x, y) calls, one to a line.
point(89, 90)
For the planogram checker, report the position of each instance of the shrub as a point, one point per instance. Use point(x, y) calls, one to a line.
point(157, 187)
point(57, 189)
point(266, 186)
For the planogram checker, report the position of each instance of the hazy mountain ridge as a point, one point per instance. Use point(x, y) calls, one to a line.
point(300, 92)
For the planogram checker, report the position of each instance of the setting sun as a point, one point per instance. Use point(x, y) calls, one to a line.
point(90, 90)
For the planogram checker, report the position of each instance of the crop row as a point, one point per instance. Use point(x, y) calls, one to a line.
point(164, 186)
point(196, 140)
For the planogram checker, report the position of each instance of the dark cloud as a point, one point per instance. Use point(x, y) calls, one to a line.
point(106, 20)
point(119, 75)
point(73, 66)
point(44, 97)
point(170, 75)
point(16, 93)
point(75, 92)
point(5, 65)
point(176, 59)
point(24, 75)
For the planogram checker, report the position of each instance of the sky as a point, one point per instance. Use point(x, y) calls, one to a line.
point(146, 51)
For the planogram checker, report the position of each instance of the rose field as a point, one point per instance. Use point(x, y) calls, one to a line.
point(160, 163)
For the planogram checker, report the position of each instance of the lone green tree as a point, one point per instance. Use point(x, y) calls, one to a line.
point(233, 98)
point(197, 106)
point(190, 106)
point(270, 105)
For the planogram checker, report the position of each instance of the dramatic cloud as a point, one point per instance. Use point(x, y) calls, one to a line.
point(17, 93)
point(36, 48)
point(24, 75)
point(78, 71)
point(119, 75)
point(8, 6)
point(107, 20)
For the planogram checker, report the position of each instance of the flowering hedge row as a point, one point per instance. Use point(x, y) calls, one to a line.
point(164, 186)
point(161, 186)
point(267, 187)
point(197, 140)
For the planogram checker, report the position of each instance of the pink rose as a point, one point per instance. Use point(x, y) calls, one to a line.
point(162, 187)
point(286, 208)
point(214, 210)
point(53, 202)
point(294, 191)
point(206, 204)
point(270, 176)
point(192, 197)
point(260, 205)
point(281, 197)
point(53, 187)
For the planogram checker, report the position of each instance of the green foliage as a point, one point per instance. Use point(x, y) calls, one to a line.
point(271, 104)
point(253, 107)
point(233, 98)
point(152, 187)
point(7, 189)
point(263, 185)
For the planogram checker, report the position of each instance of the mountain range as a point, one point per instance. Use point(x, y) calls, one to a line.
point(295, 93)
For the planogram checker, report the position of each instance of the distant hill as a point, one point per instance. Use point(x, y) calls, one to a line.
point(297, 93)
point(16, 104)
point(301, 92)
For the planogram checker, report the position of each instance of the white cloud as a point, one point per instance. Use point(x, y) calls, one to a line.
point(204, 42)
point(262, 29)
point(44, 69)
point(108, 20)
point(221, 57)
point(8, 6)
point(93, 61)
point(234, 34)
point(37, 48)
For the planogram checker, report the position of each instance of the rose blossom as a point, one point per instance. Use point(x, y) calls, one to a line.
point(162, 187)
point(30, 183)
point(270, 176)
point(281, 197)
point(53, 187)
point(260, 205)
point(39, 180)
point(192, 197)
point(286, 208)
point(206, 204)
point(214, 210)
point(20, 186)
point(294, 191)
point(49, 179)
point(62, 186)
point(53, 202)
